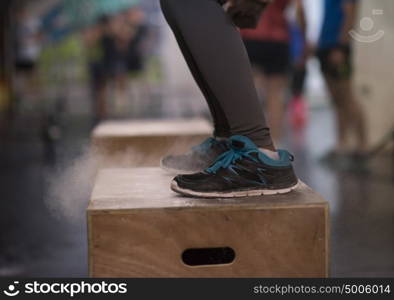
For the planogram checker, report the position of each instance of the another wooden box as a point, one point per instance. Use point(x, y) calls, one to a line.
point(139, 228)
point(144, 142)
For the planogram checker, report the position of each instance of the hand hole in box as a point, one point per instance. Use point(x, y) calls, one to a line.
point(208, 256)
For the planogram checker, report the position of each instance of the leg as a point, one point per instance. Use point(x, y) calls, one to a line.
point(100, 101)
point(272, 60)
point(217, 58)
point(275, 96)
point(356, 115)
point(351, 113)
point(342, 126)
point(273, 88)
point(337, 68)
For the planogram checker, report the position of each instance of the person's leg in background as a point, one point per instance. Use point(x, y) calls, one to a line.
point(276, 92)
point(338, 105)
point(219, 63)
point(337, 72)
point(273, 91)
point(355, 115)
point(272, 63)
point(98, 85)
point(215, 54)
point(277, 69)
point(298, 108)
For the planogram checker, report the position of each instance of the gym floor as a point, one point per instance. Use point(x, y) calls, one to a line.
point(37, 240)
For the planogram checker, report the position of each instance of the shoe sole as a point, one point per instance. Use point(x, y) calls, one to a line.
point(237, 194)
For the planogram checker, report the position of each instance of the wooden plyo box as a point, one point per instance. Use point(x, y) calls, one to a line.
point(139, 228)
point(144, 142)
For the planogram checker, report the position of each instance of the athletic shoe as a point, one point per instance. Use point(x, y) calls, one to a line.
point(241, 171)
point(198, 159)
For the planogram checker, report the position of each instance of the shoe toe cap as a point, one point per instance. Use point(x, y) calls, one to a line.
point(198, 182)
point(191, 178)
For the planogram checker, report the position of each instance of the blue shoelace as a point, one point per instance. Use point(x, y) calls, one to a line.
point(228, 158)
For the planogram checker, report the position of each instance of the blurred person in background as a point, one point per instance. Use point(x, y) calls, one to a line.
point(135, 22)
point(114, 43)
point(268, 47)
point(115, 51)
point(28, 41)
point(93, 36)
point(335, 55)
point(122, 47)
point(300, 51)
point(137, 52)
point(241, 158)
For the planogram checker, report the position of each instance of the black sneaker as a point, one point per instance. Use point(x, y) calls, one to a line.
point(241, 171)
point(197, 160)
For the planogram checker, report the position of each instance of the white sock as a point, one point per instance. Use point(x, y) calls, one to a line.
point(270, 153)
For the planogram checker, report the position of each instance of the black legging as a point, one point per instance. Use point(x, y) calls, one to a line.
point(217, 58)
